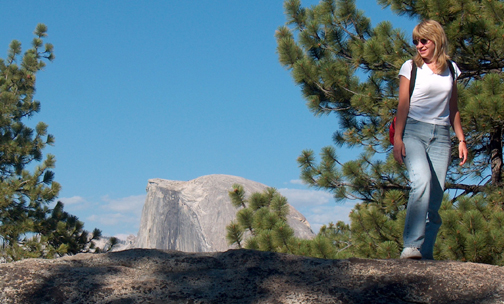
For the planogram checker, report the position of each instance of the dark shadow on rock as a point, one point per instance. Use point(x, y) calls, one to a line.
point(245, 276)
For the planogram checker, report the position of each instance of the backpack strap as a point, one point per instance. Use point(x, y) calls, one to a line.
point(411, 87)
point(413, 78)
point(414, 72)
point(452, 70)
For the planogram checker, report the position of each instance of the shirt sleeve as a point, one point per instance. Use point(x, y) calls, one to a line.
point(406, 69)
point(456, 69)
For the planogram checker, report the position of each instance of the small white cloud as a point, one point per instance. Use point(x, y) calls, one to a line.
point(112, 216)
point(319, 207)
point(131, 204)
point(122, 215)
point(334, 213)
point(75, 204)
point(114, 219)
point(323, 215)
point(74, 200)
point(297, 182)
point(306, 198)
point(92, 218)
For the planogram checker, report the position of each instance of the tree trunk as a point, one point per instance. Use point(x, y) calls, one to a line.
point(496, 156)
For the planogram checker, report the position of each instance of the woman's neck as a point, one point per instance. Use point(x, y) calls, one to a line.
point(429, 61)
point(432, 64)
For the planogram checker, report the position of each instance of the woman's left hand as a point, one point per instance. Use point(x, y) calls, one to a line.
point(463, 152)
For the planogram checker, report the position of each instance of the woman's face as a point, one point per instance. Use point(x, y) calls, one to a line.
point(426, 50)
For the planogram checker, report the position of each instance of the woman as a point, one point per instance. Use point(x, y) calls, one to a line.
point(422, 138)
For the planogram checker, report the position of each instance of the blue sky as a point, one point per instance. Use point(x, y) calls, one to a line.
point(173, 90)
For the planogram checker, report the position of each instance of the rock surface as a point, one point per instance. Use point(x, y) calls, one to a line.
point(192, 216)
point(244, 276)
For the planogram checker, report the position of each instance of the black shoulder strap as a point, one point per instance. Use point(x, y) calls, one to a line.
point(452, 70)
point(412, 78)
point(414, 72)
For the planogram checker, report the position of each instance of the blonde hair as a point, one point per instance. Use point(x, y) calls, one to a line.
point(433, 31)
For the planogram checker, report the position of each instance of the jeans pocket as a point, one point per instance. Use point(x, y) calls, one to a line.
point(411, 127)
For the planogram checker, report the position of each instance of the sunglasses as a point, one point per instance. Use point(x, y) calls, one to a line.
point(423, 41)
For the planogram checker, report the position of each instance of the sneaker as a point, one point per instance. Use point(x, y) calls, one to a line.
point(411, 253)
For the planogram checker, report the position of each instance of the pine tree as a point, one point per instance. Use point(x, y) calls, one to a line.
point(261, 224)
point(262, 220)
point(28, 227)
point(345, 66)
point(472, 230)
point(340, 236)
point(63, 233)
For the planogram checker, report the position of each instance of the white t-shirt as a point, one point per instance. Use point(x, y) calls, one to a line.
point(430, 101)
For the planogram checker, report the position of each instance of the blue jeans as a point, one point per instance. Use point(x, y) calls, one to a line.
point(427, 157)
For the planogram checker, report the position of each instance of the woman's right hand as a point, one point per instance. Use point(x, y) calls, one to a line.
point(399, 150)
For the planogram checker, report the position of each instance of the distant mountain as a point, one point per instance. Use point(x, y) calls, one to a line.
point(192, 216)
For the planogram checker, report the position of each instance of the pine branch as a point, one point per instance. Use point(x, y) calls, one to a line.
point(349, 244)
point(467, 188)
point(366, 230)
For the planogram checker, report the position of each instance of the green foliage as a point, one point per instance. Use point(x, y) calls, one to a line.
point(63, 230)
point(326, 47)
point(245, 218)
point(371, 228)
point(235, 234)
point(472, 230)
point(237, 196)
point(340, 237)
point(28, 227)
point(321, 247)
point(262, 221)
point(263, 226)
